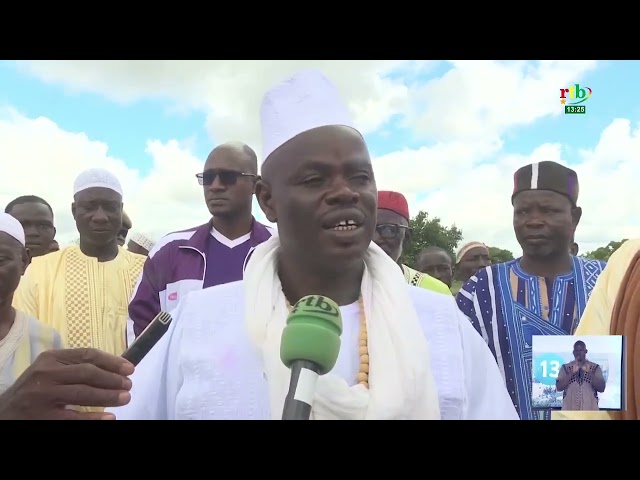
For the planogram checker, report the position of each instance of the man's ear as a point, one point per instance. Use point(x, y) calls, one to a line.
point(253, 186)
point(73, 209)
point(26, 259)
point(265, 200)
point(576, 215)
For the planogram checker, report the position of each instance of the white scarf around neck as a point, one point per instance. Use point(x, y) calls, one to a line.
point(401, 383)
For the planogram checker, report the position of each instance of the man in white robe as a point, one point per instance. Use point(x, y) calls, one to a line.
point(220, 357)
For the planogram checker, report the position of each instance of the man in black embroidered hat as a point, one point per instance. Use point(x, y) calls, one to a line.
point(545, 291)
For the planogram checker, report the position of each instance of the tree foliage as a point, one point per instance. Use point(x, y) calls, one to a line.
point(499, 255)
point(603, 253)
point(430, 231)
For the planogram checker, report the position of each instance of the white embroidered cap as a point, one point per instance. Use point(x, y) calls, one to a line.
point(97, 177)
point(301, 103)
point(145, 241)
point(12, 227)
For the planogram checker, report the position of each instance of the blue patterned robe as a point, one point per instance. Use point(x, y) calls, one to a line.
point(508, 307)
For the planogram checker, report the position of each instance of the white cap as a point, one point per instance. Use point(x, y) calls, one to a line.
point(97, 177)
point(465, 248)
point(12, 227)
point(301, 103)
point(145, 241)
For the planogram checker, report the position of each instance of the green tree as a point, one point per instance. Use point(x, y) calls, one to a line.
point(427, 232)
point(603, 253)
point(499, 255)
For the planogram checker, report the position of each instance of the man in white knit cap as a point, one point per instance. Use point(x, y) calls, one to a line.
point(140, 243)
point(220, 358)
point(83, 290)
point(22, 337)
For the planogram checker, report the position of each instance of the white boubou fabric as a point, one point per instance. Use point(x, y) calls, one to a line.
point(401, 383)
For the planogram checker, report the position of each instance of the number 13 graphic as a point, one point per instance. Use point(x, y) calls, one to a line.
point(550, 368)
point(547, 368)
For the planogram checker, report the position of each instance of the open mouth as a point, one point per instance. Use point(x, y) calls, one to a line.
point(345, 226)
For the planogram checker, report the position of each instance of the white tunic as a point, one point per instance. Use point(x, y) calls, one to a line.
point(205, 367)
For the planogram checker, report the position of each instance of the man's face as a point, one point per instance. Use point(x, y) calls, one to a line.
point(124, 230)
point(98, 215)
point(544, 223)
point(579, 352)
point(391, 233)
point(321, 192)
point(37, 221)
point(228, 182)
point(472, 261)
point(438, 265)
point(13, 261)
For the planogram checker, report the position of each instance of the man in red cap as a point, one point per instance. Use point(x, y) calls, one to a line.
point(393, 235)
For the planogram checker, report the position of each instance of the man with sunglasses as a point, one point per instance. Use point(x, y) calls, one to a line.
point(393, 235)
point(211, 254)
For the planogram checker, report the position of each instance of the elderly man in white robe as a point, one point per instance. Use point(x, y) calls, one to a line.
point(220, 358)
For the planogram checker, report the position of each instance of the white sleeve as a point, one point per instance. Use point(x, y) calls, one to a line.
point(157, 379)
point(487, 397)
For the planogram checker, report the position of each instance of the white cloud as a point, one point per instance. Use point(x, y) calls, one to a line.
point(474, 196)
point(474, 100)
point(480, 100)
point(167, 199)
point(478, 199)
point(229, 91)
point(465, 174)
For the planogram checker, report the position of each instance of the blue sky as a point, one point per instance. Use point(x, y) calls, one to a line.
point(126, 128)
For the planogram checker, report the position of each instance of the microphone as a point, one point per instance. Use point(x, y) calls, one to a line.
point(148, 338)
point(309, 347)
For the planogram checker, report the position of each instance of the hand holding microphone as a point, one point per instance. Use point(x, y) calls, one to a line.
point(80, 376)
point(57, 378)
point(309, 347)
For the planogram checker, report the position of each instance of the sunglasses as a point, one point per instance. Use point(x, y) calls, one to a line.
point(227, 177)
point(390, 230)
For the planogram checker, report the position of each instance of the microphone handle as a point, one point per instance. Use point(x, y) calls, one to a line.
point(302, 388)
point(148, 338)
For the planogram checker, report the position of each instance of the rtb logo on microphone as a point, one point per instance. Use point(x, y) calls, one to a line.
point(317, 304)
point(571, 97)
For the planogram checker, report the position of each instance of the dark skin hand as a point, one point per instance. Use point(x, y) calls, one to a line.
point(86, 377)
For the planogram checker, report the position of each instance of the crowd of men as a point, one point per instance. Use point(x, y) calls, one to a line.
point(411, 347)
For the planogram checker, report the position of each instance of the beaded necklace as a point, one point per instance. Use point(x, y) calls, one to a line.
point(363, 345)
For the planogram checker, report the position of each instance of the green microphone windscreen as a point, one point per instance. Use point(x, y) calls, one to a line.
point(312, 333)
